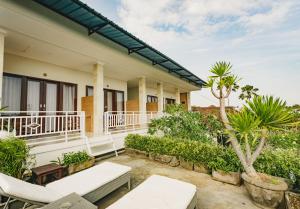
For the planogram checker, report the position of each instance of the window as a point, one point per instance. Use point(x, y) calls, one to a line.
point(89, 91)
point(152, 99)
point(11, 93)
point(169, 101)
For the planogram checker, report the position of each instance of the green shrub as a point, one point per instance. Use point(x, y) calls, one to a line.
point(207, 154)
point(285, 140)
point(75, 158)
point(13, 154)
point(186, 125)
point(276, 162)
point(279, 162)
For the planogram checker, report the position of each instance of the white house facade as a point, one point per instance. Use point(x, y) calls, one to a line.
point(67, 73)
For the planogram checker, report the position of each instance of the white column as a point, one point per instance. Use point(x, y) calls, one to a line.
point(189, 106)
point(98, 99)
point(177, 96)
point(142, 99)
point(2, 35)
point(160, 97)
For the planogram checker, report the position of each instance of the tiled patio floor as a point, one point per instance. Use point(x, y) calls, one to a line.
point(211, 194)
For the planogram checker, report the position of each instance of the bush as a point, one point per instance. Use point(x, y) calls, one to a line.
point(285, 140)
point(188, 125)
point(75, 158)
point(276, 162)
point(207, 154)
point(13, 154)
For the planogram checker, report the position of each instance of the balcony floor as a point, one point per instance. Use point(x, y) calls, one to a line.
point(211, 194)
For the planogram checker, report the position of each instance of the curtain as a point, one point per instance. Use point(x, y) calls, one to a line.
point(11, 93)
point(109, 101)
point(68, 97)
point(120, 101)
point(51, 97)
point(90, 91)
point(33, 96)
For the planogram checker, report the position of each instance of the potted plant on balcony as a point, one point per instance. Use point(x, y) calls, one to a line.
point(257, 119)
point(76, 161)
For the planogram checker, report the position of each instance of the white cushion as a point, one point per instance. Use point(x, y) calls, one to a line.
point(21, 189)
point(90, 179)
point(158, 192)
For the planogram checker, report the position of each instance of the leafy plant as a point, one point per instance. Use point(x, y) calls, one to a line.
point(276, 162)
point(258, 118)
point(189, 125)
point(285, 140)
point(248, 92)
point(74, 158)
point(14, 154)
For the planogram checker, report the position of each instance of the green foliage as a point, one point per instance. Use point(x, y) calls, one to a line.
point(13, 154)
point(187, 125)
point(276, 162)
point(174, 108)
point(75, 158)
point(222, 77)
point(244, 123)
point(285, 140)
point(248, 92)
point(207, 154)
point(272, 112)
point(279, 162)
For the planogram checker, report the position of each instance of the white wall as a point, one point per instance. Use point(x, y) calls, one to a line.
point(167, 94)
point(29, 67)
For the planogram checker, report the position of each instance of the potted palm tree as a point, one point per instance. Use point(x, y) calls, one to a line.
point(257, 119)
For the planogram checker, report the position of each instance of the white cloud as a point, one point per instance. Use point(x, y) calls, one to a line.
point(252, 34)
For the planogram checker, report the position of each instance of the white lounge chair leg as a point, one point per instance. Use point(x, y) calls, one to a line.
point(129, 185)
point(7, 203)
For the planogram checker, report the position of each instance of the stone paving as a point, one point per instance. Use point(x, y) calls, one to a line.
point(211, 194)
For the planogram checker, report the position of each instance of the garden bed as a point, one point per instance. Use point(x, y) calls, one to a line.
point(204, 157)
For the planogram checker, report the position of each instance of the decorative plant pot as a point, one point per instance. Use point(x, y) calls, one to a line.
point(73, 168)
point(201, 168)
point(266, 192)
point(292, 200)
point(135, 153)
point(233, 178)
point(186, 164)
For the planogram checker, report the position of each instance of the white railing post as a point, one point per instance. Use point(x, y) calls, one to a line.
point(66, 127)
point(82, 124)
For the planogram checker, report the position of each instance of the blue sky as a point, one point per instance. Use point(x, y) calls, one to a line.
point(261, 38)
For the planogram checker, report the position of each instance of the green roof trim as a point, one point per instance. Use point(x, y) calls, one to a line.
point(95, 22)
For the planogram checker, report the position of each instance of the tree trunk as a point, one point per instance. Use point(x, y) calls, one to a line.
point(249, 169)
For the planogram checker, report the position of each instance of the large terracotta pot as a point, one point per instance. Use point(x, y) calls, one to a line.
point(267, 191)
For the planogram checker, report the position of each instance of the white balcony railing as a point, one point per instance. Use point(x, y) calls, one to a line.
point(38, 123)
point(127, 120)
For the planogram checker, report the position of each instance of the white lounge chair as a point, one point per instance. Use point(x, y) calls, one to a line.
point(92, 184)
point(159, 192)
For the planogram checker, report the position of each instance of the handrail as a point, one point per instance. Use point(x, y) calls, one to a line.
point(39, 123)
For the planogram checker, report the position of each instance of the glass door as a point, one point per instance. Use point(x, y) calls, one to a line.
point(113, 100)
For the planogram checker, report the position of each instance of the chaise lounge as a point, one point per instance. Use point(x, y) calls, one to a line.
point(159, 192)
point(92, 184)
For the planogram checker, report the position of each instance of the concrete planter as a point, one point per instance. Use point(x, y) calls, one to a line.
point(292, 200)
point(266, 192)
point(73, 168)
point(233, 178)
point(186, 164)
point(135, 152)
point(201, 168)
point(165, 159)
